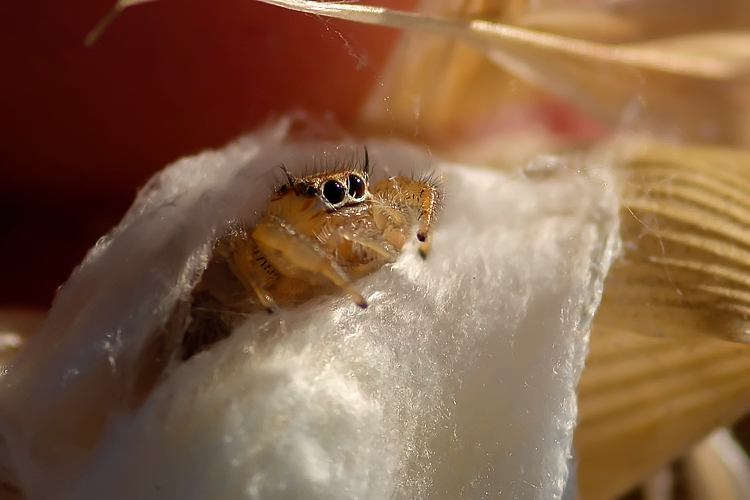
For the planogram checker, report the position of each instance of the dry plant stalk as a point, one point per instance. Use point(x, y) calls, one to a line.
point(653, 79)
point(658, 59)
point(718, 467)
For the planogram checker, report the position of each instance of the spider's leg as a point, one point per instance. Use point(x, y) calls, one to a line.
point(428, 203)
point(421, 195)
point(241, 268)
point(380, 247)
point(277, 235)
point(246, 260)
point(425, 247)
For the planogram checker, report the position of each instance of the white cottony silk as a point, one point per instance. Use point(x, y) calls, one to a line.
point(457, 382)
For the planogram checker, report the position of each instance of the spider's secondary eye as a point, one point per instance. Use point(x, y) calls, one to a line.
point(334, 192)
point(356, 187)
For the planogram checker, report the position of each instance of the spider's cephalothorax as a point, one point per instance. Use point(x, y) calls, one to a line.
point(318, 232)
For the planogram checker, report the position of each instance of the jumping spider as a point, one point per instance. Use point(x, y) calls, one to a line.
point(318, 232)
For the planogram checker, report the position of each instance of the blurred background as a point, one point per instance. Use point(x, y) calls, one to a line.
point(81, 129)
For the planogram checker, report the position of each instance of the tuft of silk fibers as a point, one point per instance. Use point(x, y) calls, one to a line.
point(458, 381)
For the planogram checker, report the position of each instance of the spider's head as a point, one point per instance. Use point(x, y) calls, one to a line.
point(334, 190)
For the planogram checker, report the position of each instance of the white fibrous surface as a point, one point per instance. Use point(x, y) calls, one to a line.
point(458, 381)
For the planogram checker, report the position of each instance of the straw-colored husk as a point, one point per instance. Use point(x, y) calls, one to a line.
point(683, 281)
point(643, 401)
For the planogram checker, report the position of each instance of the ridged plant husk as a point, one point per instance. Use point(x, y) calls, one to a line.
point(668, 360)
point(644, 401)
point(685, 268)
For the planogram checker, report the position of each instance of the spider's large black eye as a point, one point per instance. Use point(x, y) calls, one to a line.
point(356, 187)
point(334, 192)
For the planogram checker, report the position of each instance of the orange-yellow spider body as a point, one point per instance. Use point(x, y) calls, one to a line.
point(318, 233)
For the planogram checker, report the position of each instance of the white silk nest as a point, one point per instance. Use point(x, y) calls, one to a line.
point(459, 380)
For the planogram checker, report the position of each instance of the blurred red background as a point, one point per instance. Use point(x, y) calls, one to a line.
point(82, 128)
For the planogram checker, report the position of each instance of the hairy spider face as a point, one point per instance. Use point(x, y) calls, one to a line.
point(337, 189)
